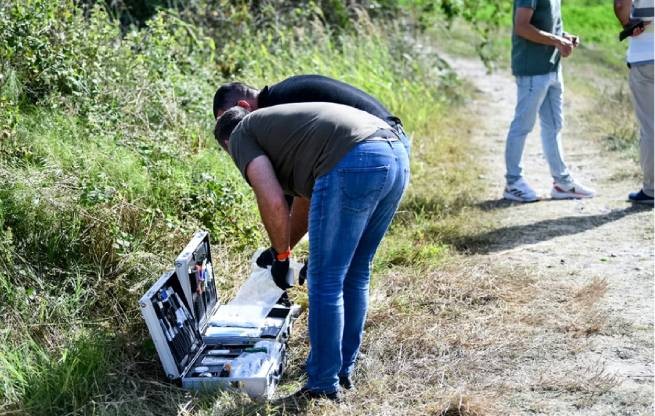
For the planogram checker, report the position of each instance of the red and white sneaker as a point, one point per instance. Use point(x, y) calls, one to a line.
point(573, 190)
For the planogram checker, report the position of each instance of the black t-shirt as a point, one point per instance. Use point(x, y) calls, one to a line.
point(317, 88)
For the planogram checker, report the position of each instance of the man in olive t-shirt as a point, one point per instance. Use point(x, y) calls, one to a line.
point(311, 138)
point(351, 169)
point(538, 43)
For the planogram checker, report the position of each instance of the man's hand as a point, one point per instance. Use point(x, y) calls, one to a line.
point(302, 276)
point(526, 30)
point(564, 46)
point(640, 29)
point(634, 27)
point(575, 40)
point(279, 269)
point(265, 259)
point(280, 272)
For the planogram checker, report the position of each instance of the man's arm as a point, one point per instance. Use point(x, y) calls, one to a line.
point(273, 207)
point(622, 10)
point(299, 212)
point(526, 30)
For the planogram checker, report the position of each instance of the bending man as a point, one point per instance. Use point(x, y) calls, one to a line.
point(354, 169)
point(299, 89)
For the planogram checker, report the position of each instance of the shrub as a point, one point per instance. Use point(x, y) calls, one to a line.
point(107, 163)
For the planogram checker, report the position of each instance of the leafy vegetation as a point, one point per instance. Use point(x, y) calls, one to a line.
point(597, 26)
point(107, 166)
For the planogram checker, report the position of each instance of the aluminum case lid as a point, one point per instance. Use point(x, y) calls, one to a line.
point(194, 268)
point(171, 325)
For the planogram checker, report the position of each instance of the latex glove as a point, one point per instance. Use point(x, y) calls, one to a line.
point(302, 276)
point(266, 258)
point(280, 273)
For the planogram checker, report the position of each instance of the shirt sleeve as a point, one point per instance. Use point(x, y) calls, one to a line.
point(530, 4)
point(244, 148)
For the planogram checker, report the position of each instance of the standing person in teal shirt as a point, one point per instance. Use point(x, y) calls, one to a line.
point(538, 44)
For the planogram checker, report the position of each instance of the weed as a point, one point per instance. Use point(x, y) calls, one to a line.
point(107, 166)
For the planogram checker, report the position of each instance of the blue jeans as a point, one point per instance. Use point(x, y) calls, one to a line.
point(351, 209)
point(402, 134)
point(537, 94)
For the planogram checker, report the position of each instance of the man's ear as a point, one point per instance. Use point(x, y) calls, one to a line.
point(244, 104)
point(226, 145)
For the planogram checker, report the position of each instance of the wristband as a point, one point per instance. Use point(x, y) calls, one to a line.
point(283, 255)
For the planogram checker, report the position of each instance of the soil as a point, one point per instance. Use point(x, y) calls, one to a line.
point(605, 240)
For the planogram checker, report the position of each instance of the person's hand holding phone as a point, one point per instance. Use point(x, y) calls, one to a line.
point(574, 39)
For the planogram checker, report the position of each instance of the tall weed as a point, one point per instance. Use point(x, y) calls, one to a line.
point(107, 166)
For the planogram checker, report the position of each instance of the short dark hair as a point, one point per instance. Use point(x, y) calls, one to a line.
point(227, 122)
point(228, 95)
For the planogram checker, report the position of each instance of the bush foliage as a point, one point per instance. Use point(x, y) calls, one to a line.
point(107, 164)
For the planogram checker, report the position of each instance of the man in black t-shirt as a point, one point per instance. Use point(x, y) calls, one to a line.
point(302, 89)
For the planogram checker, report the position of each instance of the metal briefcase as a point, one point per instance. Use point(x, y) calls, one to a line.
point(177, 310)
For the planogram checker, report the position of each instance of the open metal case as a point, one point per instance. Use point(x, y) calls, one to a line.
point(177, 310)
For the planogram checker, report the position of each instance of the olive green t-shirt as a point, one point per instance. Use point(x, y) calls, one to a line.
point(530, 58)
point(303, 140)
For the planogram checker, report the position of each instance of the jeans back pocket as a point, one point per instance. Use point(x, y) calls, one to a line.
point(361, 187)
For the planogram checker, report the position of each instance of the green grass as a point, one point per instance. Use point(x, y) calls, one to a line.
point(598, 28)
point(107, 167)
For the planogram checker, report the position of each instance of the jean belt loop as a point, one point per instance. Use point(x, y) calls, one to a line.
point(400, 130)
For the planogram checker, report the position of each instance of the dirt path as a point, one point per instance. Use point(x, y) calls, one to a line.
point(604, 242)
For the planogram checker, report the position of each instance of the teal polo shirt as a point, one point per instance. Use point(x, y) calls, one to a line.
point(529, 58)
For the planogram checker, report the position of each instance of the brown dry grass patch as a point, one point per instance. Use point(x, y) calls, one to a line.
point(469, 339)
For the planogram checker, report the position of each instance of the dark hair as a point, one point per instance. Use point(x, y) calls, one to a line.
point(227, 122)
point(228, 95)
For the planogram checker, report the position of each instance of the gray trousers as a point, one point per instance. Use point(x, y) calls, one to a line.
point(641, 84)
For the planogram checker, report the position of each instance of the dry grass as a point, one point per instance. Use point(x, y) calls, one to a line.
point(471, 338)
point(467, 339)
point(612, 124)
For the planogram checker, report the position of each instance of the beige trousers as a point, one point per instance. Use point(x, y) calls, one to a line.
point(641, 84)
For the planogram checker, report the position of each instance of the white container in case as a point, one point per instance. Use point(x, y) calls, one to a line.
point(195, 271)
point(177, 309)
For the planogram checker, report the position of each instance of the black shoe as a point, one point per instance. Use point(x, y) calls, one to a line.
point(640, 198)
point(346, 382)
point(307, 394)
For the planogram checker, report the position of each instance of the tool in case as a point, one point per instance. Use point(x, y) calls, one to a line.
point(208, 346)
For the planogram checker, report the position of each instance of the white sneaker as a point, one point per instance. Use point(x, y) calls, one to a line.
point(520, 191)
point(571, 191)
